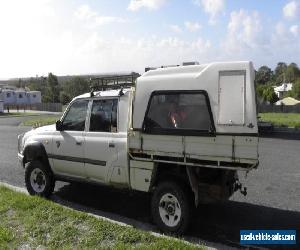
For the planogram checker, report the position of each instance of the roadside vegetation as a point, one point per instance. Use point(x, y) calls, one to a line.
point(266, 79)
point(41, 121)
point(282, 119)
point(32, 222)
point(13, 114)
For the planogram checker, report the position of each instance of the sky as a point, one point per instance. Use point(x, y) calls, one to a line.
point(100, 36)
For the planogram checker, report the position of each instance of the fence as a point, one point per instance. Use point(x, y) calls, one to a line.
point(264, 108)
point(51, 107)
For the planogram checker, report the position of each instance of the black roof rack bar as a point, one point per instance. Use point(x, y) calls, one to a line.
point(162, 67)
point(113, 82)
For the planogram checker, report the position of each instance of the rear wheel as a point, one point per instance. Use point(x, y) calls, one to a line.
point(39, 179)
point(171, 207)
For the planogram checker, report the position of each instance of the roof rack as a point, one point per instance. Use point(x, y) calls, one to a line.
point(163, 67)
point(170, 66)
point(113, 82)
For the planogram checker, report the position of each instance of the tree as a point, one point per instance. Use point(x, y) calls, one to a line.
point(260, 90)
point(295, 92)
point(37, 83)
point(280, 71)
point(292, 73)
point(263, 75)
point(280, 68)
point(64, 98)
point(76, 86)
point(52, 89)
point(269, 95)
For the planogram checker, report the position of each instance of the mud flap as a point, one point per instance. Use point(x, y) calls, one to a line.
point(194, 183)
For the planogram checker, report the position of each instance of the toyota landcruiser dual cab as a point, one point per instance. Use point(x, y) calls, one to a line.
point(180, 133)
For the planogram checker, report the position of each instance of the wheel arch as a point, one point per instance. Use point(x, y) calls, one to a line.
point(35, 150)
point(169, 172)
point(177, 173)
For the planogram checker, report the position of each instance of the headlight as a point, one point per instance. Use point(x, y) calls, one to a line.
point(20, 143)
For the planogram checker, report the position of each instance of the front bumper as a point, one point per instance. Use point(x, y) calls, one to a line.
point(21, 158)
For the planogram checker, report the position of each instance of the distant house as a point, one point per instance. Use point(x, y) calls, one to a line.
point(289, 101)
point(283, 88)
point(20, 96)
point(8, 96)
point(34, 97)
point(1, 106)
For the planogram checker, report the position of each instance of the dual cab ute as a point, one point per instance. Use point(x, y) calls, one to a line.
point(179, 133)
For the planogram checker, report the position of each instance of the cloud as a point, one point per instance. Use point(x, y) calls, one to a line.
point(292, 10)
point(192, 27)
point(248, 38)
point(285, 34)
point(284, 42)
point(295, 30)
point(85, 13)
point(27, 28)
point(135, 5)
point(175, 28)
point(114, 55)
point(101, 20)
point(244, 30)
point(211, 7)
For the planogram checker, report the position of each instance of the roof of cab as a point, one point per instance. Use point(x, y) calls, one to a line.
point(105, 93)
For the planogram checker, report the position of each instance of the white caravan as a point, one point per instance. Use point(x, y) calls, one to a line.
point(181, 133)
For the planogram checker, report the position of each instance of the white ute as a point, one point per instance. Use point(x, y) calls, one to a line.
point(180, 133)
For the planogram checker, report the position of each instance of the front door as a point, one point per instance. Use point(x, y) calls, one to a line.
point(68, 145)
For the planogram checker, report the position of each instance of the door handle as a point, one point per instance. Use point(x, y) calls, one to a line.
point(111, 145)
point(79, 143)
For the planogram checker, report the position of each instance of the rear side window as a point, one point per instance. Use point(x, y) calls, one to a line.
point(104, 116)
point(178, 113)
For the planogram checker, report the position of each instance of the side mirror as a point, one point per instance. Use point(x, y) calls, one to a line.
point(59, 126)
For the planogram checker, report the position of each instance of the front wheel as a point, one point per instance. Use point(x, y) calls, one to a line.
point(171, 207)
point(38, 179)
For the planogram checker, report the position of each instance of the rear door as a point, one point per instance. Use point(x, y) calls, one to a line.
point(103, 142)
point(232, 98)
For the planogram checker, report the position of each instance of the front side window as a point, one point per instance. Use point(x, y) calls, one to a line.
point(178, 113)
point(75, 118)
point(104, 116)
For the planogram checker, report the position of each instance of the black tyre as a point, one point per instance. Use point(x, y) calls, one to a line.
point(172, 207)
point(39, 179)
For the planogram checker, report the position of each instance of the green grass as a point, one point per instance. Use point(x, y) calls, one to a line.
point(33, 222)
point(41, 121)
point(282, 119)
point(21, 113)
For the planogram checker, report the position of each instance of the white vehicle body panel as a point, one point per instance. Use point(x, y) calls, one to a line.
point(201, 77)
point(68, 153)
point(102, 152)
